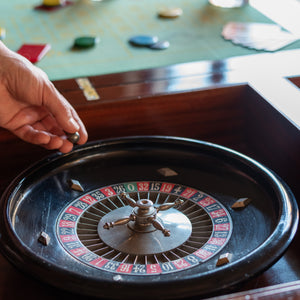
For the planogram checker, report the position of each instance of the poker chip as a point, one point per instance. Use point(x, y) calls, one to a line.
point(143, 40)
point(160, 45)
point(170, 13)
point(53, 2)
point(53, 5)
point(85, 41)
point(149, 41)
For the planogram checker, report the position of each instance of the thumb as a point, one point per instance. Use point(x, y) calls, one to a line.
point(60, 108)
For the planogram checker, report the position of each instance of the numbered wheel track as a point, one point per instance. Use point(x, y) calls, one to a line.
point(148, 216)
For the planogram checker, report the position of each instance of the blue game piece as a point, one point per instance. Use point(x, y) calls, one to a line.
point(160, 45)
point(143, 40)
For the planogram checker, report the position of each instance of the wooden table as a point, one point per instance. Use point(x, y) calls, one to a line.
point(249, 103)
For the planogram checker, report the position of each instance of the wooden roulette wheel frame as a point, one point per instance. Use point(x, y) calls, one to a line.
point(149, 216)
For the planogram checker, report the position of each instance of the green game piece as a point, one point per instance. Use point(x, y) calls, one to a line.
point(85, 42)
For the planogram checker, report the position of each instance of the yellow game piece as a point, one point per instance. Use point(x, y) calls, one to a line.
point(170, 12)
point(53, 2)
point(2, 33)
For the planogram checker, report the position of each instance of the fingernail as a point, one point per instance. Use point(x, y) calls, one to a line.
point(73, 123)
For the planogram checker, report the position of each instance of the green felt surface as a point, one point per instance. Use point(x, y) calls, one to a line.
point(195, 36)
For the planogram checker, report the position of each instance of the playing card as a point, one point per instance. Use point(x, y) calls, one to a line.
point(258, 36)
point(34, 52)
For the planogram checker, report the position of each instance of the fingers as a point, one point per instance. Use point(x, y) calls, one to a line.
point(63, 112)
point(41, 92)
point(44, 139)
point(82, 130)
point(44, 132)
point(28, 134)
point(32, 108)
point(61, 119)
point(66, 147)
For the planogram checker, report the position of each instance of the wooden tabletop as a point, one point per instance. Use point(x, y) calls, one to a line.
point(251, 104)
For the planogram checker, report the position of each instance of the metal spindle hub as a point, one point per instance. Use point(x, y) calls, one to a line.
point(143, 213)
point(147, 229)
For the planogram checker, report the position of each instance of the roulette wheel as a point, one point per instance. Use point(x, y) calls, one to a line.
point(166, 217)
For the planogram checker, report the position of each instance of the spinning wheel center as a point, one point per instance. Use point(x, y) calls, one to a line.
point(143, 215)
point(144, 238)
point(143, 232)
point(144, 204)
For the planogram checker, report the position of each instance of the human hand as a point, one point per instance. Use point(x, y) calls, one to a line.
point(32, 108)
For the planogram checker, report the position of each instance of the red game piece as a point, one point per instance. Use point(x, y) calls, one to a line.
point(54, 7)
point(34, 52)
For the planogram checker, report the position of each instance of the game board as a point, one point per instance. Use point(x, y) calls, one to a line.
point(194, 36)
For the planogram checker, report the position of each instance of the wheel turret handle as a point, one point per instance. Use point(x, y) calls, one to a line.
point(144, 214)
